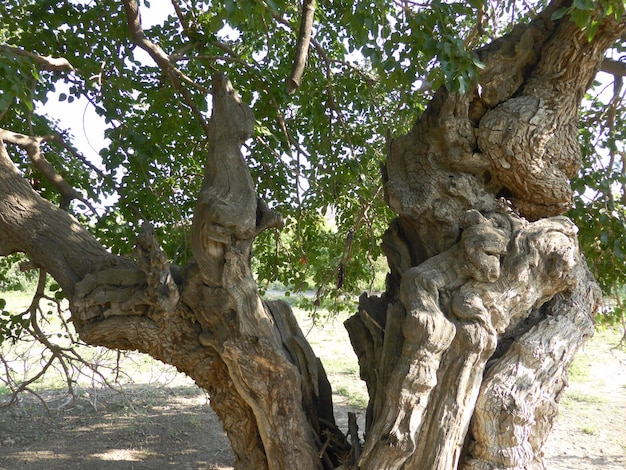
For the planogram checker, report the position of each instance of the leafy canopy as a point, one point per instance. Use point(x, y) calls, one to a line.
point(371, 69)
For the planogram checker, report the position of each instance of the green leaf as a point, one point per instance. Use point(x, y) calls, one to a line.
point(584, 4)
point(592, 29)
point(560, 13)
point(580, 18)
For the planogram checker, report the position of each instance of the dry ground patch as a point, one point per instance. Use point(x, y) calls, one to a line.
point(161, 420)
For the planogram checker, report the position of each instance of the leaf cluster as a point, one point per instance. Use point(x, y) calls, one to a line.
point(316, 155)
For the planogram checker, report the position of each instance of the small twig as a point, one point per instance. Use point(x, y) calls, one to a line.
point(23, 387)
point(477, 31)
point(41, 337)
point(215, 58)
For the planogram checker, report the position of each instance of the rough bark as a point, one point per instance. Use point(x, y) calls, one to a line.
point(465, 355)
point(50, 236)
point(207, 318)
point(487, 299)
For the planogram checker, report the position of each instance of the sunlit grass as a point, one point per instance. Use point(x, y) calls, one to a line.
point(583, 397)
point(591, 430)
point(579, 370)
point(331, 344)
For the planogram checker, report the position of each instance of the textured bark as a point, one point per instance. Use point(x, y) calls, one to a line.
point(207, 318)
point(519, 395)
point(465, 355)
point(50, 236)
point(488, 298)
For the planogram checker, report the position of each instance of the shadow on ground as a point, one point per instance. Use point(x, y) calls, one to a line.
point(143, 428)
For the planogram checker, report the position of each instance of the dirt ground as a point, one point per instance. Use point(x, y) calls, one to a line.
point(590, 432)
point(173, 427)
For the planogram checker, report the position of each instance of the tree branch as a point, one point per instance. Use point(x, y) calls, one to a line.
point(33, 149)
point(50, 236)
point(52, 64)
point(327, 62)
point(302, 46)
point(161, 58)
point(614, 67)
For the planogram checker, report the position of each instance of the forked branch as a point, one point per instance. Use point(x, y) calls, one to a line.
point(32, 145)
point(161, 58)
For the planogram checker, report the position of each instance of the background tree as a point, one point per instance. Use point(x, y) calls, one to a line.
point(488, 296)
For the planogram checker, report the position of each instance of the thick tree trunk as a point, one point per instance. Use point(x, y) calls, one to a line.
point(466, 354)
point(207, 318)
point(487, 299)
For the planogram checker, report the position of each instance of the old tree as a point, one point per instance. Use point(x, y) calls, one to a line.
point(470, 110)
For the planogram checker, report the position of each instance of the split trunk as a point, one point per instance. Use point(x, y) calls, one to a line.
point(488, 298)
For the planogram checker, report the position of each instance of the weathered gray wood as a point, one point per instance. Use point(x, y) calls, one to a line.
point(521, 390)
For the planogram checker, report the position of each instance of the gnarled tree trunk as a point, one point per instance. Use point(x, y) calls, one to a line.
point(487, 299)
point(465, 355)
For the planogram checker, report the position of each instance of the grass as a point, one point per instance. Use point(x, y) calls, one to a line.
point(579, 397)
point(331, 344)
point(591, 430)
point(579, 370)
point(194, 421)
point(353, 396)
point(17, 302)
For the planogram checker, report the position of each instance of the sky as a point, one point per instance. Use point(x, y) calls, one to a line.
point(79, 117)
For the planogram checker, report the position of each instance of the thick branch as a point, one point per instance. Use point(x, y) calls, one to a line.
point(532, 138)
point(49, 235)
point(614, 67)
point(228, 208)
point(302, 46)
point(512, 420)
point(457, 305)
point(46, 63)
point(32, 145)
point(235, 322)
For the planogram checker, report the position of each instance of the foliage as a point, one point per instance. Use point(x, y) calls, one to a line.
point(316, 154)
point(600, 189)
point(584, 14)
point(12, 276)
